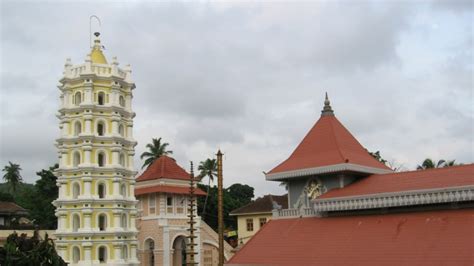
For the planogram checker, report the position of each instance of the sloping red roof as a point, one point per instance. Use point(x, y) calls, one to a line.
point(167, 189)
point(263, 204)
point(417, 238)
point(328, 143)
point(454, 176)
point(164, 167)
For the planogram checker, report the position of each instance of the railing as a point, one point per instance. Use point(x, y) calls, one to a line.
point(289, 213)
point(101, 70)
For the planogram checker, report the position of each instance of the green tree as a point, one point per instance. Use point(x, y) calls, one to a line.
point(207, 168)
point(42, 211)
point(156, 150)
point(429, 163)
point(378, 157)
point(235, 196)
point(12, 175)
point(24, 251)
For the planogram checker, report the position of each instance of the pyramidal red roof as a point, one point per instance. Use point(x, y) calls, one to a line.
point(328, 143)
point(164, 167)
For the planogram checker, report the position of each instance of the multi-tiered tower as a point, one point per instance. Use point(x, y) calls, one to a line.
point(96, 207)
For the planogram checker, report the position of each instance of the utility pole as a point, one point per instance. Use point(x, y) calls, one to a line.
point(220, 213)
point(190, 253)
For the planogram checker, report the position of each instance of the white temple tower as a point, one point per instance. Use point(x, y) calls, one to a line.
point(96, 207)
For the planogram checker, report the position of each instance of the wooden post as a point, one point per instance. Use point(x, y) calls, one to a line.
point(190, 253)
point(220, 212)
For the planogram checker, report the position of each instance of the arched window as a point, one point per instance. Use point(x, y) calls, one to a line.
point(122, 160)
point(76, 255)
point(125, 252)
point(101, 98)
point(122, 101)
point(102, 222)
point(100, 129)
point(121, 131)
point(101, 159)
point(76, 190)
point(77, 98)
point(102, 254)
point(101, 191)
point(123, 190)
point(77, 128)
point(124, 221)
point(76, 222)
point(76, 160)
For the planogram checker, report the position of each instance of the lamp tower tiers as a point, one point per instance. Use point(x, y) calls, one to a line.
point(96, 206)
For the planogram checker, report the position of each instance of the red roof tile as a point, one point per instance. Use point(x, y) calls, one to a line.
point(164, 167)
point(454, 176)
point(167, 189)
point(327, 143)
point(421, 238)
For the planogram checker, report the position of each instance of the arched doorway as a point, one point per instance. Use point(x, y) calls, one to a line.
point(149, 252)
point(179, 254)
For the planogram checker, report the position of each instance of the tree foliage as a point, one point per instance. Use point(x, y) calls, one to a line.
point(41, 208)
point(430, 163)
point(156, 149)
point(24, 251)
point(12, 175)
point(207, 168)
point(235, 196)
point(378, 157)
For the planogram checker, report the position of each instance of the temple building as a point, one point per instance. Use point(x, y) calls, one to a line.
point(347, 208)
point(163, 194)
point(96, 206)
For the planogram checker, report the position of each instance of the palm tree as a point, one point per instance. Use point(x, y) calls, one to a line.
point(12, 175)
point(156, 150)
point(207, 168)
point(450, 163)
point(428, 164)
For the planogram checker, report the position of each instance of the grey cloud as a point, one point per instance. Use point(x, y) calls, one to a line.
point(246, 77)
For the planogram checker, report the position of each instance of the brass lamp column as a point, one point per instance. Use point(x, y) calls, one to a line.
point(190, 250)
point(220, 214)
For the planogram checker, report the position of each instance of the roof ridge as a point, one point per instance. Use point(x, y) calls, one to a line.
point(336, 139)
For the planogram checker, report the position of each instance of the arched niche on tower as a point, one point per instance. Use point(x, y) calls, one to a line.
point(77, 98)
point(76, 158)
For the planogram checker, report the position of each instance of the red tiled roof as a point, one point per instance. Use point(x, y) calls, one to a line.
point(263, 204)
point(327, 143)
point(167, 189)
point(416, 238)
point(164, 167)
point(454, 176)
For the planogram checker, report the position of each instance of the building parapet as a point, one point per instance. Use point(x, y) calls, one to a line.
point(293, 213)
point(395, 199)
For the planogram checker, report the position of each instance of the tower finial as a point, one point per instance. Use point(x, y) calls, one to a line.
point(327, 110)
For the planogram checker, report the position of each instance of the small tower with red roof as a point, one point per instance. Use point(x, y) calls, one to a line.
point(328, 157)
point(162, 192)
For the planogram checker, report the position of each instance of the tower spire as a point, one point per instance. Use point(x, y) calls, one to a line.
point(327, 110)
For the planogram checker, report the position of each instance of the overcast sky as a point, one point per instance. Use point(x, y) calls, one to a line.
point(250, 78)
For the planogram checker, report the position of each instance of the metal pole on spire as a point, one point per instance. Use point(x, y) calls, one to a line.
point(90, 27)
